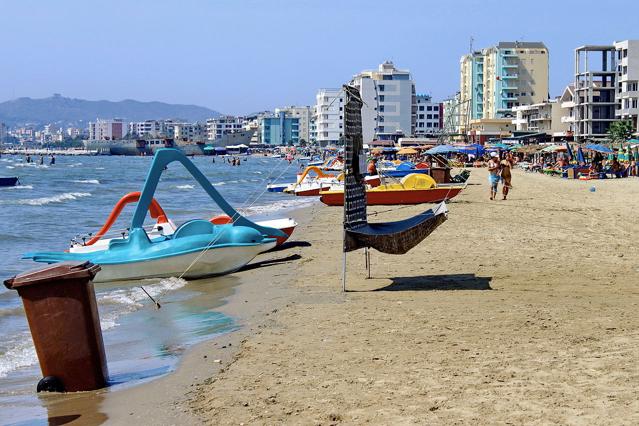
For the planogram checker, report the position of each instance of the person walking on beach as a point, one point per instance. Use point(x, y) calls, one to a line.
point(494, 169)
point(506, 176)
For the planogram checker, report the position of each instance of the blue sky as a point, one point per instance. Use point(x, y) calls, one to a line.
point(240, 56)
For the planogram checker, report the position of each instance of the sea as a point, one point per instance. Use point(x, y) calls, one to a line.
point(55, 203)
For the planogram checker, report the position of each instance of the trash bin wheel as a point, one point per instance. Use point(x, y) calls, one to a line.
point(50, 384)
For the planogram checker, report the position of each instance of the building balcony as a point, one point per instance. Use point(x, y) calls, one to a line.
point(507, 87)
point(509, 98)
point(568, 119)
point(509, 76)
point(629, 94)
point(511, 54)
point(509, 66)
point(627, 112)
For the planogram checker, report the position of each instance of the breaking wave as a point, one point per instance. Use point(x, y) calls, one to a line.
point(61, 198)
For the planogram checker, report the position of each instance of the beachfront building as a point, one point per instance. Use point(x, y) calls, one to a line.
point(627, 96)
point(389, 97)
point(595, 87)
point(224, 125)
point(304, 113)
point(107, 129)
point(498, 78)
point(429, 117)
point(189, 132)
point(567, 100)
point(329, 116)
point(544, 118)
point(3, 132)
point(280, 129)
point(147, 128)
point(454, 112)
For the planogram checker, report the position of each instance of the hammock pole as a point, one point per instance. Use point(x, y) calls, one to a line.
point(368, 262)
point(344, 274)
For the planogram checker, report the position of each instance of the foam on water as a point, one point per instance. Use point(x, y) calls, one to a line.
point(61, 198)
point(21, 353)
point(277, 206)
point(185, 187)
point(113, 304)
point(9, 188)
point(90, 181)
point(10, 167)
point(130, 299)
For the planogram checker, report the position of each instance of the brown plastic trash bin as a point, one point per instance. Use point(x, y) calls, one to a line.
point(62, 312)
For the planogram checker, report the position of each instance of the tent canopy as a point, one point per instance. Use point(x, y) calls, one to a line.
point(407, 151)
point(442, 149)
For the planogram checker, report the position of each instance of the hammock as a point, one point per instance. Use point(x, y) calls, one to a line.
point(389, 237)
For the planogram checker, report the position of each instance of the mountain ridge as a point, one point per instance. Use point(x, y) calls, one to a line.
point(64, 111)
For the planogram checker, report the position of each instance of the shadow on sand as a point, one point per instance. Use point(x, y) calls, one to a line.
point(271, 262)
point(289, 245)
point(439, 282)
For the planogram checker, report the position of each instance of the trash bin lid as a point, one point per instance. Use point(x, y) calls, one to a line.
point(54, 273)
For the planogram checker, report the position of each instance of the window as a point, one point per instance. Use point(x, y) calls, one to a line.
point(429, 108)
point(429, 124)
point(387, 77)
point(435, 124)
point(436, 116)
point(421, 107)
point(436, 108)
point(380, 87)
point(380, 128)
point(381, 108)
point(421, 116)
point(381, 98)
point(429, 116)
point(421, 124)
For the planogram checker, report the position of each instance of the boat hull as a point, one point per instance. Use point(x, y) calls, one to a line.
point(216, 261)
point(412, 196)
point(8, 181)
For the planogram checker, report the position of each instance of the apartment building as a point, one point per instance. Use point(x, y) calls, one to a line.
point(429, 117)
point(147, 128)
point(545, 117)
point(389, 99)
point(595, 90)
point(627, 94)
point(107, 129)
point(189, 132)
point(3, 132)
point(280, 129)
point(304, 113)
point(498, 78)
point(329, 116)
point(224, 125)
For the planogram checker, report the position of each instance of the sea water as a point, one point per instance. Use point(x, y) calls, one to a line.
point(55, 203)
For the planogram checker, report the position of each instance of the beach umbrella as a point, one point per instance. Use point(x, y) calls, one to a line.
point(599, 148)
point(407, 151)
point(442, 149)
point(580, 156)
point(501, 146)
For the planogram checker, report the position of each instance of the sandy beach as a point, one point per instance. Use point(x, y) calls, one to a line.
point(517, 311)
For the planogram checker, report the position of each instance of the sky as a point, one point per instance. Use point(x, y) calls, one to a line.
point(242, 56)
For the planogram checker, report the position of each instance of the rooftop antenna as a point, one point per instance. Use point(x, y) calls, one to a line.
point(471, 45)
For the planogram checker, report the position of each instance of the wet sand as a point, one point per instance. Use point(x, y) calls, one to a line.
point(518, 311)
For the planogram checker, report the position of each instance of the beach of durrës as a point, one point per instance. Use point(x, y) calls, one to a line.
point(55, 203)
point(519, 311)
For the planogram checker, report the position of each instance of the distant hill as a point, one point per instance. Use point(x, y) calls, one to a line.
point(77, 112)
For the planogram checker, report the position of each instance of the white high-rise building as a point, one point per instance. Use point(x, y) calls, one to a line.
point(304, 114)
point(329, 116)
point(107, 129)
point(389, 98)
point(428, 117)
point(627, 95)
point(218, 127)
point(189, 132)
point(147, 128)
point(3, 132)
